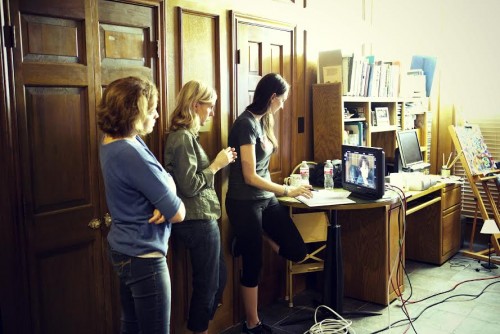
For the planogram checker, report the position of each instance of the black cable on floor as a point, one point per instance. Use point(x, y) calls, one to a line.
point(395, 324)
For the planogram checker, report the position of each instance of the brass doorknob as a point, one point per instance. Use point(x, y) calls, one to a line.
point(94, 224)
point(107, 219)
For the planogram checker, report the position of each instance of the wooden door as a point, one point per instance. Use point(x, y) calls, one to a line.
point(128, 46)
point(262, 47)
point(61, 60)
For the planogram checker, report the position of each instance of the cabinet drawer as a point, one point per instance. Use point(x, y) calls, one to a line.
point(451, 233)
point(452, 195)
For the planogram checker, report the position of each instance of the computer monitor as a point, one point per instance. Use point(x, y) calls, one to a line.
point(363, 171)
point(409, 150)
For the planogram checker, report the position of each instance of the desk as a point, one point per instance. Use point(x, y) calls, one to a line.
point(369, 245)
point(433, 224)
point(370, 237)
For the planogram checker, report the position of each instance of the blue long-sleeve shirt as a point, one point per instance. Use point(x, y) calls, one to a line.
point(136, 184)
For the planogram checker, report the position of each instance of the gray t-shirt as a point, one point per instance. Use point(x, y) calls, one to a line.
point(247, 130)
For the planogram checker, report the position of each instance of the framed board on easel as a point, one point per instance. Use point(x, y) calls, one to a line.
point(479, 168)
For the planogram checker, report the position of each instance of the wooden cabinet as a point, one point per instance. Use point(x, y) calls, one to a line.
point(433, 235)
point(330, 123)
point(372, 253)
point(451, 205)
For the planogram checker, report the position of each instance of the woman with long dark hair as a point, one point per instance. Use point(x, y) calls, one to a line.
point(251, 204)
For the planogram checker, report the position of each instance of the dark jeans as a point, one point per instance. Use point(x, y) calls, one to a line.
point(202, 238)
point(145, 293)
point(250, 218)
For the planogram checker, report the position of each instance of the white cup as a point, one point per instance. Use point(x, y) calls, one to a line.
point(293, 180)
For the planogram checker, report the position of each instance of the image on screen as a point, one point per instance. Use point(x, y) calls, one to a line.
point(361, 169)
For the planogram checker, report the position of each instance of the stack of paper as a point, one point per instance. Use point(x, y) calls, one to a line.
point(326, 197)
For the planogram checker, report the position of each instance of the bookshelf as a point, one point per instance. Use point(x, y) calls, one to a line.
point(330, 123)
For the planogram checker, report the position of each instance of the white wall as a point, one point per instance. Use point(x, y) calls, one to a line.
point(462, 34)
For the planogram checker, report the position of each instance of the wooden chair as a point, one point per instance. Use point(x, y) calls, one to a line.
point(313, 229)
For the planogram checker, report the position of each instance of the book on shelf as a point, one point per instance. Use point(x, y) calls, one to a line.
point(346, 73)
point(373, 118)
point(396, 69)
point(362, 81)
point(382, 116)
point(357, 65)
point(377, 68)
point(368, 80)
point(367, 77)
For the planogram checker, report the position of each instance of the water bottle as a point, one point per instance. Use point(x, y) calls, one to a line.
point(304, 173)
point(328, 174)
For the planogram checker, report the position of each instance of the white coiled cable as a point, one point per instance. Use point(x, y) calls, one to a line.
point(328, 326)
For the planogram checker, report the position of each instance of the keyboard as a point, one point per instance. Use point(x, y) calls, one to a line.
point(420, 165)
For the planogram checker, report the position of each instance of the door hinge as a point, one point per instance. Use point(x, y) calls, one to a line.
point(9, 36)
point(155, 49)
point(237, 60)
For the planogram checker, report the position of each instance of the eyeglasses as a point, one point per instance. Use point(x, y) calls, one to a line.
point(281, 99)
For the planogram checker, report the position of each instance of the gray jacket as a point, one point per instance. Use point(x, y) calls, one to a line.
point(188, 163)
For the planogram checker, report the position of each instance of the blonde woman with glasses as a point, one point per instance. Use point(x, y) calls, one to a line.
point(194, 175)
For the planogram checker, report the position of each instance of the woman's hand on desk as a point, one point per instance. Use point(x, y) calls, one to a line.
point(304, 190)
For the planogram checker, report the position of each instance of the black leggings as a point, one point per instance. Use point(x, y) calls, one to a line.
point(249, 219)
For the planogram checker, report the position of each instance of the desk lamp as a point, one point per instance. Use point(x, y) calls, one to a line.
point(489, 227)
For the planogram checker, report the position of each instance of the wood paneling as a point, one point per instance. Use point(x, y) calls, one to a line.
point(66, 52)
point(199, 49)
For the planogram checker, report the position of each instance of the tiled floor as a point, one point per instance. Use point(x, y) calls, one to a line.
point(472, 307)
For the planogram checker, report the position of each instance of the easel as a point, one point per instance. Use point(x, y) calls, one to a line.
point(474, 179)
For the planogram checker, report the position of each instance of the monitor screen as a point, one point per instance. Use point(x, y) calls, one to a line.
point(363, 171)
point(409, 148)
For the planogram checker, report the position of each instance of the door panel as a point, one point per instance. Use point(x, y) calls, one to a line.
point(264, 47)
point(129, 45)
point(56, 107)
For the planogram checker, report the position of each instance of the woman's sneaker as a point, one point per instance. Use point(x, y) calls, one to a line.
point(259, 329)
